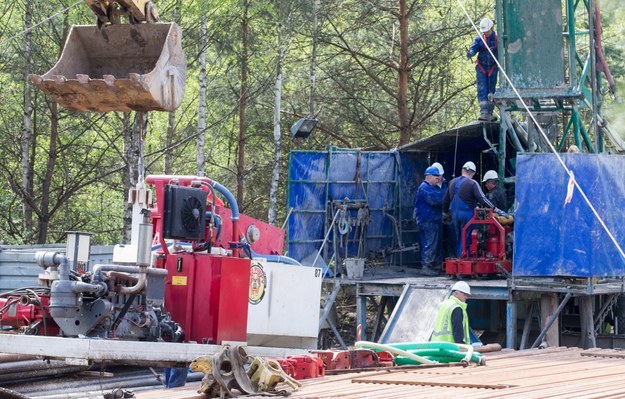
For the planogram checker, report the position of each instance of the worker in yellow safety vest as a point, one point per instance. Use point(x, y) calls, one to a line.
point(452, 322)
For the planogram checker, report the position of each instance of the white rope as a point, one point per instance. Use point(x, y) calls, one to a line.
point(551, 147)
point(63, 11)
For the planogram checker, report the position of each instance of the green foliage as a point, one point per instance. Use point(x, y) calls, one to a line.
point(355, 97)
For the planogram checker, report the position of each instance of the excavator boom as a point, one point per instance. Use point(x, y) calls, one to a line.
point(110, 11)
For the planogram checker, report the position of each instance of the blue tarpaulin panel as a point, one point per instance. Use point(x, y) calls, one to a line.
point(318, 177)
point(554, 239)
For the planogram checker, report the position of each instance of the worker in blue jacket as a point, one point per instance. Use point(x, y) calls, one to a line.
point(463, 196)
point(428, 215)
point(486, 67)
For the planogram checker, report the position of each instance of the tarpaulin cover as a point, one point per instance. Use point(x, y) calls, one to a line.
point(316, 178)
point(554, 239)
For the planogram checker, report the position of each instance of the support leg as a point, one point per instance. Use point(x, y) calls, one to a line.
point(587, 324)
point(511, 311)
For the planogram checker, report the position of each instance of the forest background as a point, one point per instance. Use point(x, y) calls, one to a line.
point(376, 74)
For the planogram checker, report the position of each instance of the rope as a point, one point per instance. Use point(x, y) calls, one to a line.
point(63, 11)
point(453, 172)
point(551, 147)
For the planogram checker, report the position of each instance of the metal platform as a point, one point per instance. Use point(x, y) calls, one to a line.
point(514, 291)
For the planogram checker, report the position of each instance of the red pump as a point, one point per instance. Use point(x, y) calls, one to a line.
point(487, 250)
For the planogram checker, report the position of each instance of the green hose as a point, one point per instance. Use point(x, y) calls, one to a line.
point(388, 348)
point(409, 346)
point(427, 352)
point(440, 356)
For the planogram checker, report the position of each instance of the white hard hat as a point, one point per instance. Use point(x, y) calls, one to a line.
point(439, 167)
point(486, 24)
point(469, 166)
point(462, 287)
point(490, 175)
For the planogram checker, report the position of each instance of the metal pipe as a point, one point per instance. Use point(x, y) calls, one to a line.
point(511, 132)
point(80, 388)
point(551, 320)
point(144, 246)
point(29, 365)
point(593, 73)
point(135, 289)
point(99, 269)
point(79, 286)
point(23, 375)
point(8, 357)
point(325, 239)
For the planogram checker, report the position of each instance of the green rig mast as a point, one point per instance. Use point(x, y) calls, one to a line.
point(540, 51)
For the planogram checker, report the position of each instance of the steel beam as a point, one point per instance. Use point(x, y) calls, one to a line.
point(77, 351)
point(511, 324)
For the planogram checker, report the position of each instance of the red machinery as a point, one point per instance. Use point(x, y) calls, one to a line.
point(27, 310)
point(207, 289)
point(487, 254)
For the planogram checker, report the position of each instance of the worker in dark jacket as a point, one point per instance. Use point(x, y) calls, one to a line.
point(485, 68)
point(447, 248)
point(463, 196)
point(452, 322)
point(428, 214)
point(494, 192)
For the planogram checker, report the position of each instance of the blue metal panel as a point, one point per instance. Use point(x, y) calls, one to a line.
point(554, 239)
point(318, 177)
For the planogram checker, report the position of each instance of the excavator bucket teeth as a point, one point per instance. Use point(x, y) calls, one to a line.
point(123, 68)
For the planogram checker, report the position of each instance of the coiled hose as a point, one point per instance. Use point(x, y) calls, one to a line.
point(428, 352)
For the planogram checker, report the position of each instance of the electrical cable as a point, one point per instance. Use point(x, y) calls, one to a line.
point(551, 147)
point(43, 312)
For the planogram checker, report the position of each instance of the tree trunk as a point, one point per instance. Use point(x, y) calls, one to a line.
point(242, 103)
point(129, 175)
point(201, 113)
point(275, 178)
point(402, 76)
point(44, 217)
point(313, 58)
point(168, 158)
point(169, 140)
point(27, 175)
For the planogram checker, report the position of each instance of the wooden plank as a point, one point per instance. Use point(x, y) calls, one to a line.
point(433, 383)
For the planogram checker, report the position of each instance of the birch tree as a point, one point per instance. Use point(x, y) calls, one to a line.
point(243, 101)
point(201, 113)
point(27, 134)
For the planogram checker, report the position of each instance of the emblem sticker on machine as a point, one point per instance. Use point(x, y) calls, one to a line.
point(179, 280)
point(258, 283)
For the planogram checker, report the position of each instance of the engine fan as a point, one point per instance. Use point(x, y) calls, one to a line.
point(184, 215)
point(190, 214)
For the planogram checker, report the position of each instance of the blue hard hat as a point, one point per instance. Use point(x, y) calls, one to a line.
point(433, 171)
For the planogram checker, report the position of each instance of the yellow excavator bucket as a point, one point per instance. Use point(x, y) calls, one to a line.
point(125, 68)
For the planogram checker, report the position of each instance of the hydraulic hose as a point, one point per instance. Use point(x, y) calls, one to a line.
point(234, 208)
point(269, 257)
point(447, 349)
point(388, 348)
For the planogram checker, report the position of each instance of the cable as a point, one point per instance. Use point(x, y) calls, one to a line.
point(551, 147)
point(453, 172)
point(43, 311)
point(2, 44)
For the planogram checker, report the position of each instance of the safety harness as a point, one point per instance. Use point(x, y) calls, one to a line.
point(492, 69)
